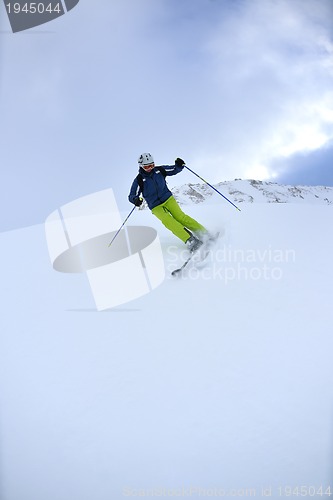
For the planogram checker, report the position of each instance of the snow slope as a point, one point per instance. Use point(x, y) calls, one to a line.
point(216, 385)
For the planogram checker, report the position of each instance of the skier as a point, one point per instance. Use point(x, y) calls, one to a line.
point(151, 183)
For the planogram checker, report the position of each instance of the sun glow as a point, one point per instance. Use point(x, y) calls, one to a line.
point(257, 172)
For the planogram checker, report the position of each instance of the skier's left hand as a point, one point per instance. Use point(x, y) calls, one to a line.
point(179, 162)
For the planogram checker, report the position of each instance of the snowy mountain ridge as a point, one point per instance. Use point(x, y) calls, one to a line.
point(253, 191)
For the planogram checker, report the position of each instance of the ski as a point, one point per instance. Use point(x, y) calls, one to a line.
point(176, 272)
point(204, 250)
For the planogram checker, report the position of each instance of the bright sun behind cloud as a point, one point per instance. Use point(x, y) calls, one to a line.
point(257, 172)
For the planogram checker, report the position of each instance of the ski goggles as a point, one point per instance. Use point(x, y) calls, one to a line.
point(149, 167)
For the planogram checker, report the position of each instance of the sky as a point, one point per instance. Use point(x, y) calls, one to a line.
point(237, 88)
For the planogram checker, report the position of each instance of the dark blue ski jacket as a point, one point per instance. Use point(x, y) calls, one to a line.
point(152, 185)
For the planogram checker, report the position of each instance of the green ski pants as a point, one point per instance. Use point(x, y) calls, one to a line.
point(172, 216)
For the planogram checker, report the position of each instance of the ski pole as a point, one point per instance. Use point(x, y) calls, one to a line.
point(212, 187)
point(123, 224)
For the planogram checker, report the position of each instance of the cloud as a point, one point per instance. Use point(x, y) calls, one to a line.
point(272, 75)
point(311, 168)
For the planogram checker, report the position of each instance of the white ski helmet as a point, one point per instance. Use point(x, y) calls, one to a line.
point(145, 159)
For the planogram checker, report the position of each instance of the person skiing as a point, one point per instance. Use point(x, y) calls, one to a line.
point(151, 184)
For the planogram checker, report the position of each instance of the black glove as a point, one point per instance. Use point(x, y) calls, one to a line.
point(137, 201)
point(179, 162)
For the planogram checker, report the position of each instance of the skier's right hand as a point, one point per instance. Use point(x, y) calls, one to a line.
point(138, 201)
